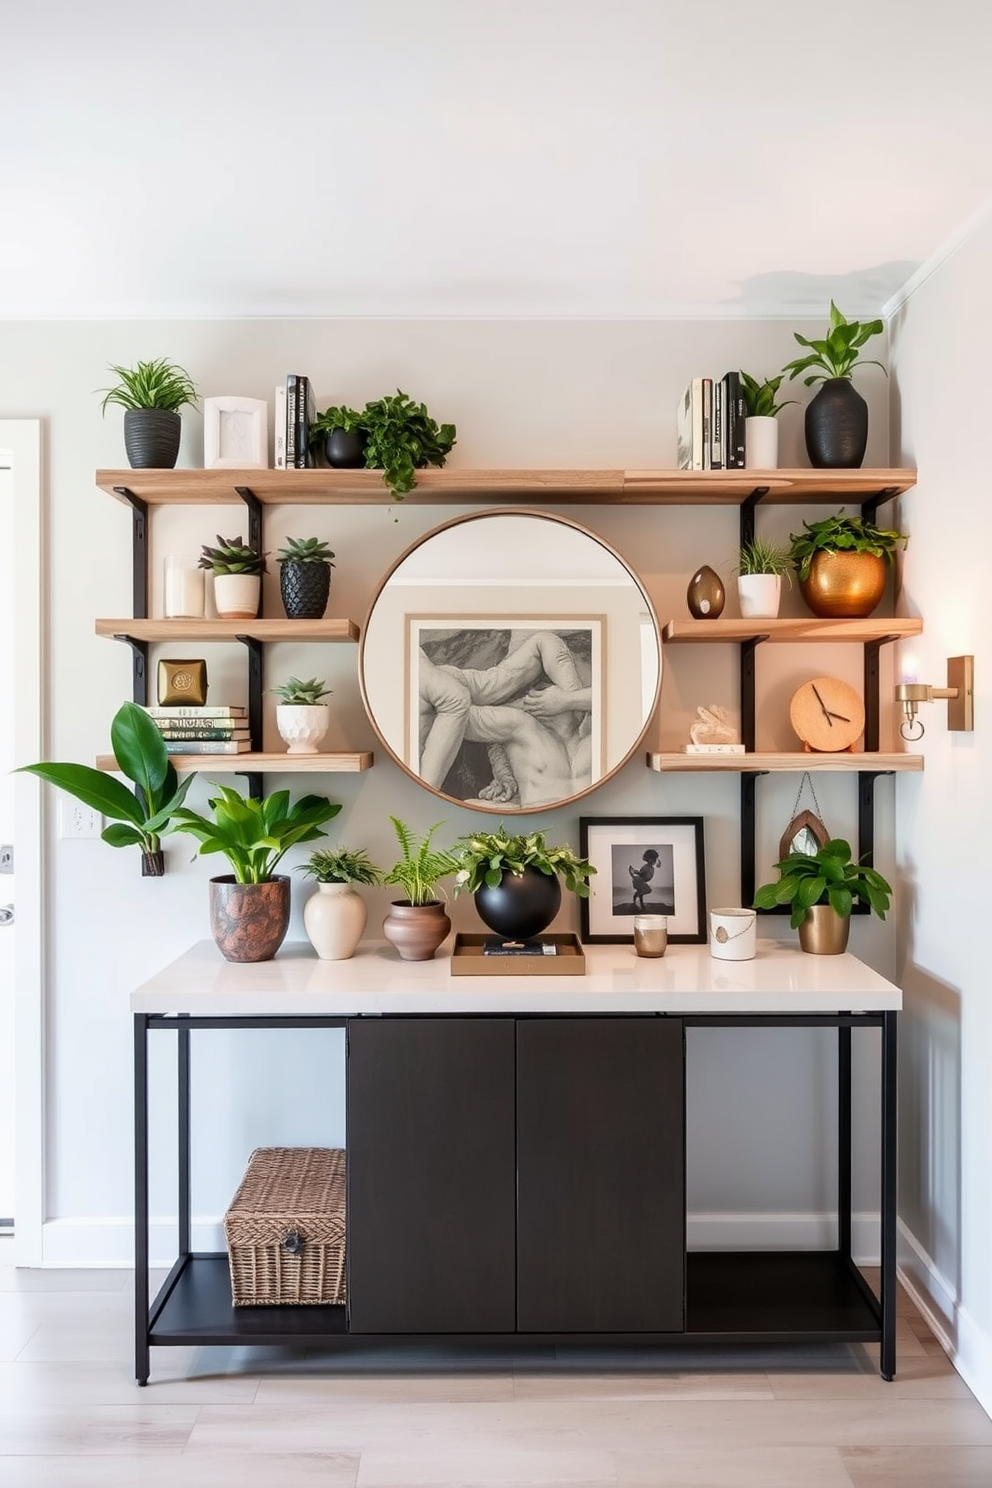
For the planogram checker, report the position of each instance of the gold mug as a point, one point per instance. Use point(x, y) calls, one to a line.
point(650, 934)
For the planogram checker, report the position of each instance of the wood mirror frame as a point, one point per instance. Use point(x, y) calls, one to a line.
point(475, 637)
point(805, 821)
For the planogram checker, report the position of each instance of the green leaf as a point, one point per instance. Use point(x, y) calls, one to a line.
point(810, 891)
point(139, 749)
point(122, 834)
point(94, 788)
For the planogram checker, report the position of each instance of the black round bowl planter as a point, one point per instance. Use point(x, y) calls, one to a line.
point(151, 438)
point(344, 449)
point(304, 588)
point(837, 426)
point(521, 905)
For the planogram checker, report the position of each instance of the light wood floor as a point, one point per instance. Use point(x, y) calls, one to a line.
point(72, 1417)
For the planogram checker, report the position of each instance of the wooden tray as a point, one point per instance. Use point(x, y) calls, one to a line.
point(467, 959)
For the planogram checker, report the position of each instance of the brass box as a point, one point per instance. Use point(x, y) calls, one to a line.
point(182, 682)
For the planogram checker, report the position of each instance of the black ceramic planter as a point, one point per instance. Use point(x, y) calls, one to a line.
point(521, 906)
point(151, 438)
point(304, 588)
point(344, 449)
point(837, 426)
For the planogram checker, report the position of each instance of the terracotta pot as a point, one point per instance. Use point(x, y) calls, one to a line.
point(521, 905)
point(824, 932)
point(416, 930)
point(249, 921)
point(334, 919)
point(844, 586)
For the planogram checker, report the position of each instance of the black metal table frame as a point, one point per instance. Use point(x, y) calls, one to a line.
point(146, 1312)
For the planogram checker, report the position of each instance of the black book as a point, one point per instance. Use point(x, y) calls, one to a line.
point(306, 412)
point(291, 404)
point(499, 947)
point(733, 420)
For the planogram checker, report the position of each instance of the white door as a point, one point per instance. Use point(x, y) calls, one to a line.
point(8, 924)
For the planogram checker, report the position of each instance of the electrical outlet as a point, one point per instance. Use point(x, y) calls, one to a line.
point(6, 857)
point(77, 820)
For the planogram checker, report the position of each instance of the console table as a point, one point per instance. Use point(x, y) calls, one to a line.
point(516, 1151)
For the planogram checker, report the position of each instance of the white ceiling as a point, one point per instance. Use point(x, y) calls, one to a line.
point(473, 158)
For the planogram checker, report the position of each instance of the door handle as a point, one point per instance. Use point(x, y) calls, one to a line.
point(6, 914)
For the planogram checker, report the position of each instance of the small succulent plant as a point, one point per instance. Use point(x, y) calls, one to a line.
point(305, 550)
point(302, 694)
point(232, 556)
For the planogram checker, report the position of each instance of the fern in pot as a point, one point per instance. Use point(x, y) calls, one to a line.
point(417, 924)
point(335, 917)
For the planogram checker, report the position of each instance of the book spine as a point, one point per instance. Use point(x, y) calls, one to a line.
point(734, 412)
point(716, 432)
point(291, 396)
point(279, 429)
point(207, 746)
point(707, 420)
point(190, 710)
point(303, 398)
point(204, 733)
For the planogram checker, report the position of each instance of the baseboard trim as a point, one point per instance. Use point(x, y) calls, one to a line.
point(968, 1345)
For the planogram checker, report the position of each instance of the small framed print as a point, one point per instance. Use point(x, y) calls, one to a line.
point(644, 865)
point(235, 433)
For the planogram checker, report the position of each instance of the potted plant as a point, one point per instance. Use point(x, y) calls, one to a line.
point(237, 571)
point(515, 879)
point(760, 423)
point(418, 924)
point(151, 394)
point(305, 565)
point(138, 819)
point(301, 718)
point(335, 917)
point(403, 438)
point(837, 418)
point(249, 907)
point(821, 889)
point(761, 566)
point(841, 562)
point(340, 432)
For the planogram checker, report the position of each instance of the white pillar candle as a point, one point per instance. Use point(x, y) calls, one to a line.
point(185, 592)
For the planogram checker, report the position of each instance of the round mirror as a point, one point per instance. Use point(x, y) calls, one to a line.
point(510, 661)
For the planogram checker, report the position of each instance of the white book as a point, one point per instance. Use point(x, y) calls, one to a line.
point(689, 427)
point(279, 429)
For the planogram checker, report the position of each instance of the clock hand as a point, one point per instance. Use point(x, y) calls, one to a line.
point(840, 716)
point(823, 706)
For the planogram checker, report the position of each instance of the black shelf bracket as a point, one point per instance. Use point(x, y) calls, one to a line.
point(747, 685)
point(255, 655)
point(253, 779)
point(747, 513)
point(139, 667)
point(139, 552)
point(748, 814)
point(871, 504)
point(254, 507)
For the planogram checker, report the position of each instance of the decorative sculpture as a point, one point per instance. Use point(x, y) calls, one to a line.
point(713, 726)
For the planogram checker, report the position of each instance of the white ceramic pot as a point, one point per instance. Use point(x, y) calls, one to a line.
point(236, 596)
point(761, 444)
point(760, 595)
point(733, 934)
point(302, 725)
point(334, 919)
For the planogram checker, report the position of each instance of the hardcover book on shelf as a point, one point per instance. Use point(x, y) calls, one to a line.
point(733, 418)
point(207, 746)
point(306, 412)
point(279, 429)
point(716, 428)
point(187, 710)
point(707, 420)
point(170, 731)
point(292, 380)
point(689, 427)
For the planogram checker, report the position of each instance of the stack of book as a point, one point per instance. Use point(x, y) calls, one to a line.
point(295, 412)
point(710, 424)
point(222, 729)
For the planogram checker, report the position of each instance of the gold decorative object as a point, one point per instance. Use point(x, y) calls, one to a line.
point(844, 586)
point(824, 932)
point(182, 682)
point(706, 595)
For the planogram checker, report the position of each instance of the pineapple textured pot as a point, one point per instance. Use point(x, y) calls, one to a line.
point(334, 919)
point(303, 725)
point(304, 588)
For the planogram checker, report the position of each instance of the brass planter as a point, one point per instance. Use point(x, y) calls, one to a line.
point(824, 932)
point(844, 586)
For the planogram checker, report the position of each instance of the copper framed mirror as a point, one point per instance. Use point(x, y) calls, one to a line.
point(510, 661)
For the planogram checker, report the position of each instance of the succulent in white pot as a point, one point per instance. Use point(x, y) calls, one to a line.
point(761, 422)
point(237, 571)
point(761, 566)
point(301, 718)
point(335, 917)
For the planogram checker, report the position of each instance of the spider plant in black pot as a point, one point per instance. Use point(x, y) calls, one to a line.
point(151, 394)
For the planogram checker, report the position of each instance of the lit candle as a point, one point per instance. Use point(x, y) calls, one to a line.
point(908, 668)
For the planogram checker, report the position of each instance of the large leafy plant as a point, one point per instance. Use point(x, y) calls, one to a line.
point(255, 835)
point(484, 857)
point(419, 870)
point(837, 353)
point(139, 818)
point(403, 438)
point(760, 397)
point(830, 876)
point(841, 534)
point(155, 384)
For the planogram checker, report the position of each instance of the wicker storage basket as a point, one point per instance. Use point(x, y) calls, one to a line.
point(285, 1228)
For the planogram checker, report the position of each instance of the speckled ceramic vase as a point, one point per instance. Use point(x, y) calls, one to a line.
point(249, 921)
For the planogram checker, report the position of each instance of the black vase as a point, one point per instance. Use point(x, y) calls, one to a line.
point(520, 906)
point(304, 588)
point(837, 426)
point(151, 438)
point(344, 449)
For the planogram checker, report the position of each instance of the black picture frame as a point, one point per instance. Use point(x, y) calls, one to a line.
point(644, 864)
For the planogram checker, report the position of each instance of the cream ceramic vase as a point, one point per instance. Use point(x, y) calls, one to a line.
point(334, 918)
point(760, 595)
point(303, 725)
point(761, 443)
point(236, 596)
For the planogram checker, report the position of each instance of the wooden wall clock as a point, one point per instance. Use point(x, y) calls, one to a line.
point(827, 714)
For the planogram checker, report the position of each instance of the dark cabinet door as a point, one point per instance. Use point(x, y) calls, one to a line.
point(600, 1175)
point(431, 1176)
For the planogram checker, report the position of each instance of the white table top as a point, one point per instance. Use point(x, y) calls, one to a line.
point(687, 979)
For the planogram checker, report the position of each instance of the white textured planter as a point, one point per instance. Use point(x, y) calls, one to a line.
point(334, 919)
point(302, 725)
point(236, 596)
point(761, 444)
point(760, 595)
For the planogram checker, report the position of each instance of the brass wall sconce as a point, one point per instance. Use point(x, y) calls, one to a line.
point(959, 692)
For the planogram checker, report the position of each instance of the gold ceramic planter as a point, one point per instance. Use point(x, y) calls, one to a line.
point(824, 932)
point(844, 586)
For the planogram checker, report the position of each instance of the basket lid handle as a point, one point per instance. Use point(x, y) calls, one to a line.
point(292, 1242)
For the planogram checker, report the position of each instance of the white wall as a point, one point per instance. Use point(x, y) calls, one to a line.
point(939, 345)
point(529, 393)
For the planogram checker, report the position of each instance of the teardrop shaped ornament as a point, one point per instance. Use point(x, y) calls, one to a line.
point(705, 595)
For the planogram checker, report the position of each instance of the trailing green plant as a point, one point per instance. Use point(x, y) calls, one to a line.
point(302, 694)
point(484, 857)
point(829, 876)
point(232, 556)
point(841, 534)
point(760, 397)
point(342, 865)
point(338, 416)
point(255, 835)
point(403, 438)
point(155, 384)
point(139, 819)
point(837, 353)
point(305, 550)
point(762, 557)
point(418, 871)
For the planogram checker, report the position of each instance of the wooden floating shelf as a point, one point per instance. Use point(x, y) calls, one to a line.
point(776, 760)
point(243, 764)
point(543, 487)
point(803, 628)
point(230, 630)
